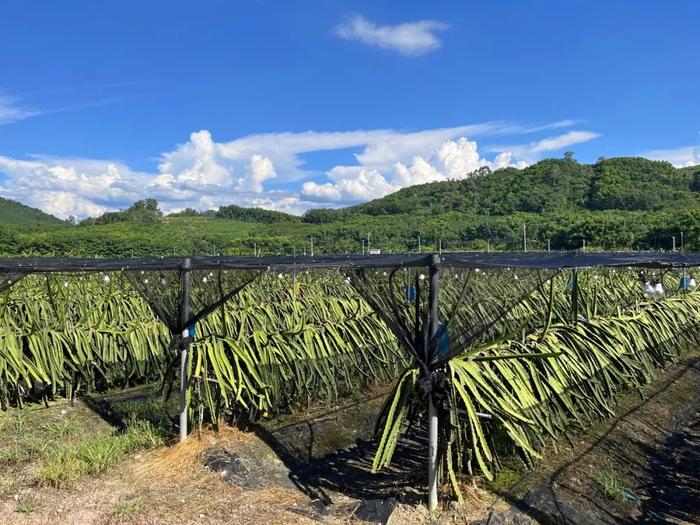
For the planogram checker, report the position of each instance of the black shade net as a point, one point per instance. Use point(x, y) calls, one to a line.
point(165, 292)
point(8, 279)
point(474, 306)
point(543, 260)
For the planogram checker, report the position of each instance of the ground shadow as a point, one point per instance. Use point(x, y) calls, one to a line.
point(546, 504)
point(349, 471)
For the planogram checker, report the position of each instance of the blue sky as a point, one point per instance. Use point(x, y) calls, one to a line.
point(298, 104)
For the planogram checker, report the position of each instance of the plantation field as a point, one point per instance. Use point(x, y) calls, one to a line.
point(533, 358)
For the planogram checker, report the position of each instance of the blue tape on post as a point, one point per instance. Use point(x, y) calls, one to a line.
point(443, 343)
point(411, 293)
point(192, 331)
point(685, 283)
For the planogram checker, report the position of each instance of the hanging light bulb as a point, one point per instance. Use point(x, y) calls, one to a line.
point(422, 277)
point(280, 275)
point(145, 281)
point(659, 290)
point(204, 279)
point(106, 278)
point(648, 290)
point(65, 284)
point(692, 284)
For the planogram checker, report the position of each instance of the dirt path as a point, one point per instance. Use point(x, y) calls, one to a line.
point(672, 481)
point(647, 458)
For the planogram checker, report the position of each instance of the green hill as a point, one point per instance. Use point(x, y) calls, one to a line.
point(12, 212)
point(550, 186)
point(621, 203)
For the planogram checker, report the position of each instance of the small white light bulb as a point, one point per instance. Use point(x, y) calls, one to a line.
point(659, 290)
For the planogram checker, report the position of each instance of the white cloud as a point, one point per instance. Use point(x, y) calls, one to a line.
point(459, 157)
point(419, 172)
point(453, 159)
point(679, 157)
point(350, 183)
point(205, 174)
point(410, 39)
point(534, 150)
point(259, 170)
point(11, 111)
point(197, 163)
point(562, 141)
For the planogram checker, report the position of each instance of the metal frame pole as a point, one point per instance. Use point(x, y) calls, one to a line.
point(432, 411)
point(185, 314)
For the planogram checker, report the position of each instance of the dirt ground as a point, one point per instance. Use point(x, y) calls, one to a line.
point(648, 458)
point(308, 472)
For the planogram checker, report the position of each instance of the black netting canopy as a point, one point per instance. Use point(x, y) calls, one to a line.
point(431, 323)
point(182, 290)
point(543, 260)
point(7, 279)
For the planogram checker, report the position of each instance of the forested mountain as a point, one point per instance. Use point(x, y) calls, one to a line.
point(550, 186)
point(13, 212)
point(254, 214)
point(621, 203)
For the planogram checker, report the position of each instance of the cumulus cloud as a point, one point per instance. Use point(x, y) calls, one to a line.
point(205, 174)
point(196, 163)
point(453, 159)
point(350, 183)
point(679, 157)
point(409, 39)
point(259, 170)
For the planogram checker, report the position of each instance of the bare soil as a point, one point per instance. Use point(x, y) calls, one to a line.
point(315, 469)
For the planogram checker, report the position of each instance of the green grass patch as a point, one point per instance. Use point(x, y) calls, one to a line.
point(610, 482)
point(64, 465)
point(127, 507)
point(26, 507)
point(133, 409)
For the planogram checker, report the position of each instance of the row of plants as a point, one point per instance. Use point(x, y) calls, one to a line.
point(515, 393)
point(282, 341)
point(285, 339)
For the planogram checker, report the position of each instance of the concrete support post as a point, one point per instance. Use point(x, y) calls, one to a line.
point(432, 410)
point(185, 316)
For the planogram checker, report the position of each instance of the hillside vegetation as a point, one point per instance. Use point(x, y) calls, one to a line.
point(550, 186)
point(620, 203)
point(13, 212)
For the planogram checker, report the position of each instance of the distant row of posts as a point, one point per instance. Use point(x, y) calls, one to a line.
point(367, 243)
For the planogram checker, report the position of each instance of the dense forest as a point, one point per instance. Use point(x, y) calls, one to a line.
point(619, 203)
